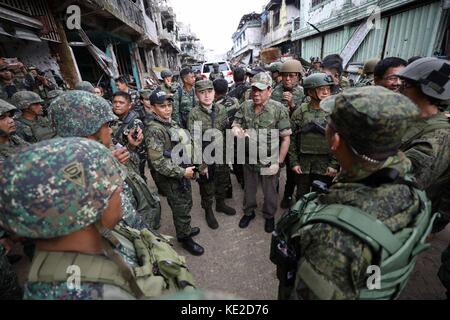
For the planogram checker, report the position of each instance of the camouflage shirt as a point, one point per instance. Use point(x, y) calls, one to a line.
point(8, 90)
point(297, 92)
point(33, 131)
point(11, 146)
point(309, 148)
point(272, 117)
point(183, 103)
point(158, 139)
point(427, 145)
point(238, 91)
point(339, 258)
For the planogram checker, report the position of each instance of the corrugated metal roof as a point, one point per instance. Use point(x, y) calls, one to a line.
point(413, 32)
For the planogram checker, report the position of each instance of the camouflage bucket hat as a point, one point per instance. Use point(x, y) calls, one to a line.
point(57, 187)
point(262, 81)
point(6, 107)
point(23, 99)
point(85, 86)
point(372, 120)
point(204, 85)
point(80, 114)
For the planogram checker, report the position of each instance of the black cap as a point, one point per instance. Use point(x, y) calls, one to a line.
point(159, 97)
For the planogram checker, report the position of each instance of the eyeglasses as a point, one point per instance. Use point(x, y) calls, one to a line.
point(289, 75)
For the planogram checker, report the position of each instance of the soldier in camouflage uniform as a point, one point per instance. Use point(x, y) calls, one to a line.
point(122, 85)
point(81, 114)
point(232, 106)
point(8, 84)
point(309, 155)
point(37, 82)
point(240, 86)
point(80, 226)
point(9, 142)
point(254, 117)
point(161, 134)
point(332, 65)
point(127, 131)
point(168, 86)
point(427, 142)
point(31, 125)
point(212, 175)
point(275, 70)
point(316, 66)
point(368, 77)
point(291, 95)
point(371, 216)
point(184, 99)
point(216, 73)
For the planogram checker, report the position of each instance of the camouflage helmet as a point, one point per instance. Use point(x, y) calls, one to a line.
point(372, 120)
point(23, 99)
point(432, 74)
point(317, 80)
point(369, 66)
point(6, 107)
point(85, 86)
point(80, 114)
point(166, 73)
point(294, 66)
point(68, 189)
point(275, 67)
point(145, 94)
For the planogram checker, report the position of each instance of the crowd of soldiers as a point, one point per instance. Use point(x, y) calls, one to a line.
point(368, 162)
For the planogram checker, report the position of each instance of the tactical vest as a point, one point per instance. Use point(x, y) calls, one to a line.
point(310, 141)
point(395, 254)
point(161, 270)
point(38, 130)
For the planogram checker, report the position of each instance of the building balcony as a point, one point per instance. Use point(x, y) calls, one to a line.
point(126, 11)
point(169, 38)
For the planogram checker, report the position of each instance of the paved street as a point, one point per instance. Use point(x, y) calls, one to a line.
point(237, 261)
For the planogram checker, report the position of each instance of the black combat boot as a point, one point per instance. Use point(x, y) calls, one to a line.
point(211, 219)
point(245, 220)
point(221, 206)
point(191, 246)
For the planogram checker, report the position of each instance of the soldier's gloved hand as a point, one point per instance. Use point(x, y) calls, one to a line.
point(297, 170)
point(122, 155)
point(238, 132)
point(189, 173)
point(134, 143)
point(331, 172)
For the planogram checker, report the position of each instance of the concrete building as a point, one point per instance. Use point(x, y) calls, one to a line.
point(247, 40)
point(401, 28)
point(192, 50)
point(276, 22)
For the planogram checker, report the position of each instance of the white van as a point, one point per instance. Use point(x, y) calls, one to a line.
point(224, 67)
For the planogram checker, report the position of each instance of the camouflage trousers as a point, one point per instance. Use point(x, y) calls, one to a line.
point(304, 182)
point(444, 271)
point(9, 285)
point(215, 187)
point(179, 198)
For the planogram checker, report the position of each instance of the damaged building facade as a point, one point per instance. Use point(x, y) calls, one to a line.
point(356, 29)
point(134, 38)
point(363, 29)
